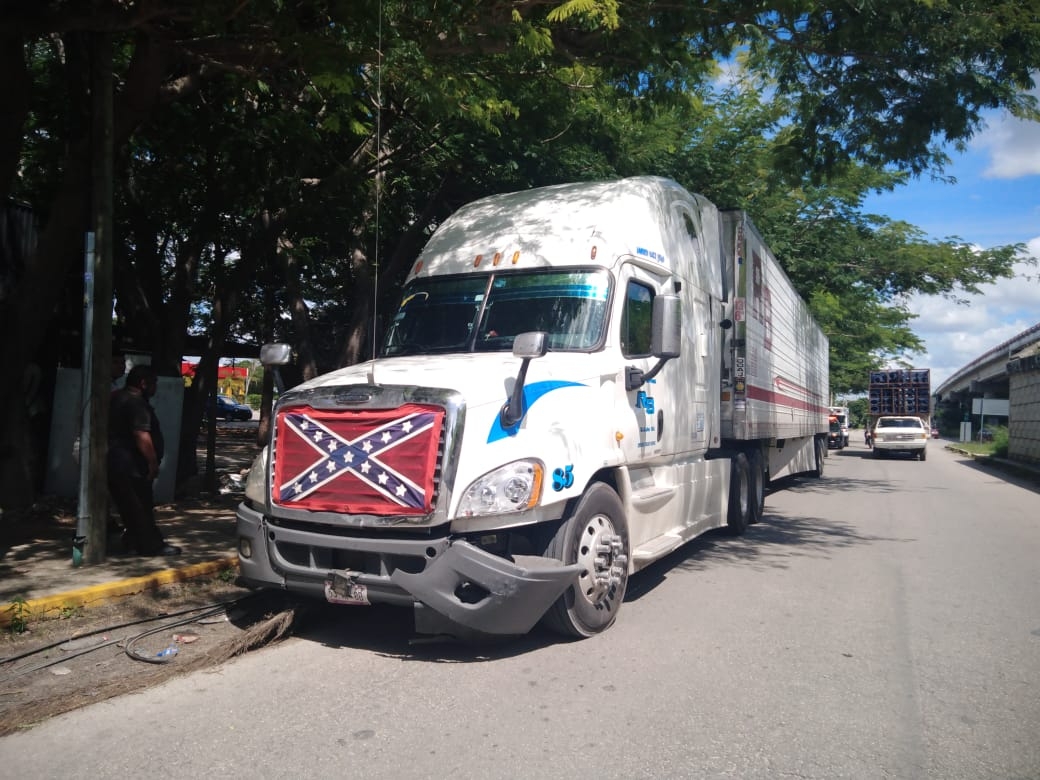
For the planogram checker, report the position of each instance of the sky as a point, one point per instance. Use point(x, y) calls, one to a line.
point(995, 201)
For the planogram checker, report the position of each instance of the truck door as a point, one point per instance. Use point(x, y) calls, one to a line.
point(645, 408)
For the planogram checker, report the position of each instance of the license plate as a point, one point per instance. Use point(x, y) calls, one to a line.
point(356, 594)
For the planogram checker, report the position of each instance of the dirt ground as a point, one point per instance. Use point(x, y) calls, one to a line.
point(58, 665)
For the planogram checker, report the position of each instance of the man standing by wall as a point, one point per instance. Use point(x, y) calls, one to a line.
point(135, 449)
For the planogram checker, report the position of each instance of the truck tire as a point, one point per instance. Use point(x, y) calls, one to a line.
point(924, 454)
point(739, 495)
point(758, 486)
point(821, 453)
point(595, 535)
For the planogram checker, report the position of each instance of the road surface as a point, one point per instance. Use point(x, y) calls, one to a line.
point(883, 622)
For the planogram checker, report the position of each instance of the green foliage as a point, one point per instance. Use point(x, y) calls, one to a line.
point(20, 616)
point(1000, 441)
point(308, 159)
point(70, 611)
point(859, 412)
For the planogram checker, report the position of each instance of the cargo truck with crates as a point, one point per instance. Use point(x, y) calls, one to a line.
point(577, 380)
point(897, 399)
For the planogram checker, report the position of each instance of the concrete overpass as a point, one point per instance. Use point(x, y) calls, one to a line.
point(987, 378)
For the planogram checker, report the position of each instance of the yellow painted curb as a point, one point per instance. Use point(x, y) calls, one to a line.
point(94, 595)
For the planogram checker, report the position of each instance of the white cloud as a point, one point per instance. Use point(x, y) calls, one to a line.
point(1013, 144)
point(956, 334)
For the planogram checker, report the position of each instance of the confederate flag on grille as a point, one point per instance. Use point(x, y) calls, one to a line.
point(370, 461)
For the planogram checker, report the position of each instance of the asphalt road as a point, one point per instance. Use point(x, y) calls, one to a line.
point(881, 623)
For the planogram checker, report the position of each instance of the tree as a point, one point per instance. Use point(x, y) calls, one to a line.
point(294, 157)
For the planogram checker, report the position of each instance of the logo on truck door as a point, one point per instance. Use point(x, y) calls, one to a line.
point(644, 401)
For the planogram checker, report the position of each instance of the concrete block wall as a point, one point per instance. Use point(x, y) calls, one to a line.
point(1024, 417)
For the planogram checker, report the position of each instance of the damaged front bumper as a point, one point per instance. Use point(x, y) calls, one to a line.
point(448, 581)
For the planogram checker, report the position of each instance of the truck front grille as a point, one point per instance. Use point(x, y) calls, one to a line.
point(383, 462)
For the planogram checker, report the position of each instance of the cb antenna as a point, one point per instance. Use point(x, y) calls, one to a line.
point(379, 185)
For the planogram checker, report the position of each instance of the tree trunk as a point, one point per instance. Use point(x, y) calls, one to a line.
point(59, 254)
point(255, 254)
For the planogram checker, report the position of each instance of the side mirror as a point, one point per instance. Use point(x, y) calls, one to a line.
point(666, 327)
point(527, 347)
point(275, 354)
point(532, 344)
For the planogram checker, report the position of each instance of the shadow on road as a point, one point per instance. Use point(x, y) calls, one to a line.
point(1004, 471)
point(389, 632)
point(772, 543)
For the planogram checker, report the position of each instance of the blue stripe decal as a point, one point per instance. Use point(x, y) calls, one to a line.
point(532, 393)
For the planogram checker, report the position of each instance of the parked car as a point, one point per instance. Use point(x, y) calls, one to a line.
point(900, 434)
point(229, 409)
point(935, 433)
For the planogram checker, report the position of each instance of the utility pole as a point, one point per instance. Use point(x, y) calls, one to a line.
point(92, 518)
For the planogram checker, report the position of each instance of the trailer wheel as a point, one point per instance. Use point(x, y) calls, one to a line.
point(758, 486)
point(596, 536)
point(821, 453)
point(739, 495)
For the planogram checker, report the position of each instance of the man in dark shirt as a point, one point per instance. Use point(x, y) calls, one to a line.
point(135, 449)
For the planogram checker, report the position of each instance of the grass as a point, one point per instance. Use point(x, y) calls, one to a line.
point(998, 446)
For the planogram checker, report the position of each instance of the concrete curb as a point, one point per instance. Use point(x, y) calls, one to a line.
point(94, 595)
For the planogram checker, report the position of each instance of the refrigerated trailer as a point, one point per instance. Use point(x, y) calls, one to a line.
point(577, 380)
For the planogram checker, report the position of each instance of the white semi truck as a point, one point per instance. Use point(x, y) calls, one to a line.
point(842, 413)
point(578, 379)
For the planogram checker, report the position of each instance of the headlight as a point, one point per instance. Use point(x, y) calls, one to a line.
point(510, 488)
point(256, 482)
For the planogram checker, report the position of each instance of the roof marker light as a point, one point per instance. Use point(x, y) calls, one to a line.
point(516, 256)
point(497, 259)
point(476, 261)
point(592, 254)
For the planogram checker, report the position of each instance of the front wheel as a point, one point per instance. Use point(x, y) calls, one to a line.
point(595, 536)
point(923, 455)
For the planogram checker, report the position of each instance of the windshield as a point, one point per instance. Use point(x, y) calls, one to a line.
point(485, 313)
point(899, 422)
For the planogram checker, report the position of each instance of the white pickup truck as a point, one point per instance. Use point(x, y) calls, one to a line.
point(901, 434)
